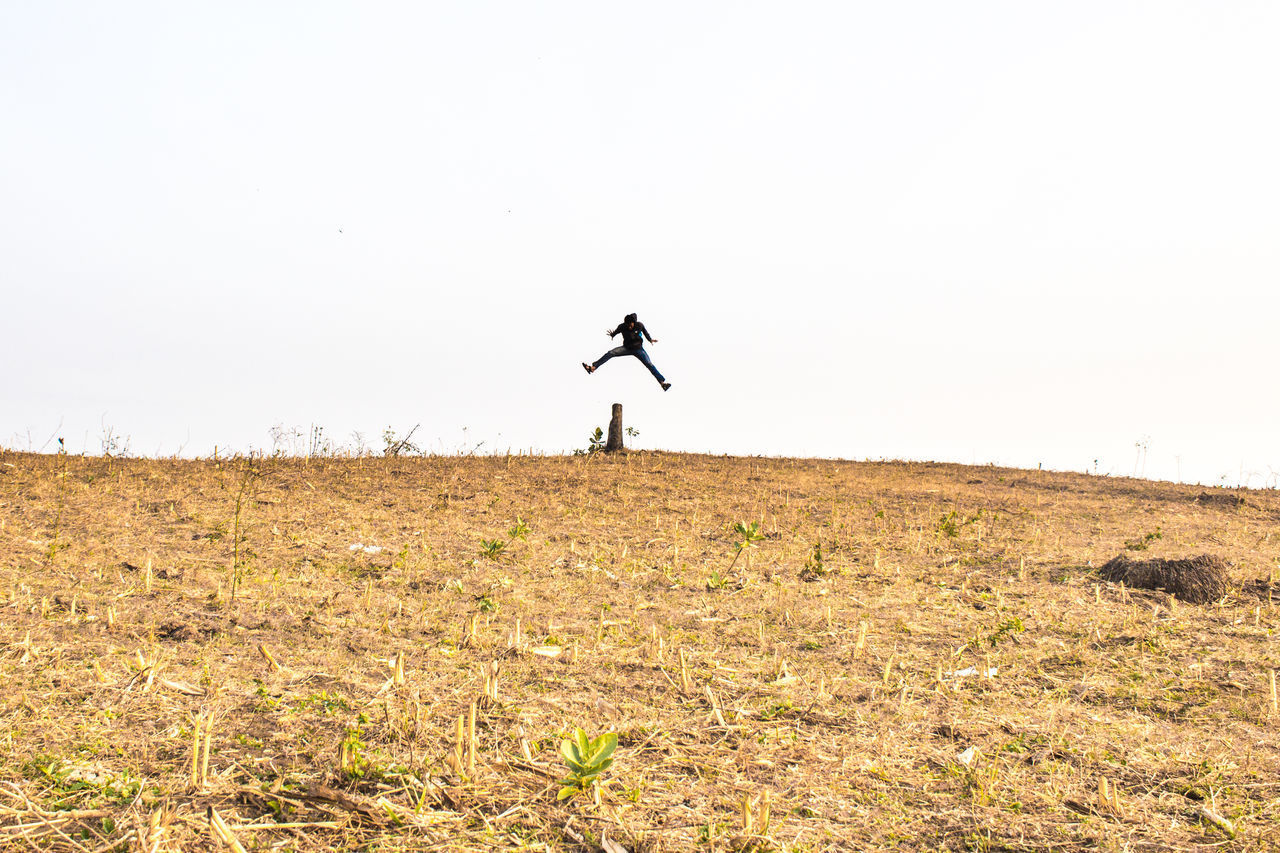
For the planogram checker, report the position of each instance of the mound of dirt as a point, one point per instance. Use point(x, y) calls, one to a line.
point(1225, 500)
point(1198, 580)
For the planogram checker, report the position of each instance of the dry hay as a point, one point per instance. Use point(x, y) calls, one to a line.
point(1198, 580)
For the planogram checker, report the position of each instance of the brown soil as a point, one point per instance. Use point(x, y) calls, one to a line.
point(829, 679)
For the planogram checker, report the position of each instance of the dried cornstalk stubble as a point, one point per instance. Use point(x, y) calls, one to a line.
point(271, 661)
point(471, 740)
point(489, 680)
point(861, 642)
point(459, 757)
point(219, 827)
point(201, 735)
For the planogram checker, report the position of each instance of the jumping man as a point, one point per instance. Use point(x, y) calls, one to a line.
point(634, 335)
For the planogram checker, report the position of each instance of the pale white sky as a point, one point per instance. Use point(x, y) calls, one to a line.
point(981, 232)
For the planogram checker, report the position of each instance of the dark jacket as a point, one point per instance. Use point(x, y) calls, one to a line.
point(631, 336)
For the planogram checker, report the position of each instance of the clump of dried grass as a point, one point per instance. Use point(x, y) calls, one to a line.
point(1198, 580)
point(1222, 499)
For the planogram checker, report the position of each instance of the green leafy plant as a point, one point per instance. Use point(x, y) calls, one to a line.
point(595, 444)
point(814, 568)
point(948, 525)
point(708, 832)
point(351, 758)
point(951, 524)
point(402, 558)
point(1002, 632)
point(587, 759)
point(91, 783)
point(1143, 542)
point(326, 703)
point(491, 548)
point(777, 709)
point(519, 530)
point(748, 536)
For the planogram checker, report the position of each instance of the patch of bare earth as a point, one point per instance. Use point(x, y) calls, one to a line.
point(911, 656)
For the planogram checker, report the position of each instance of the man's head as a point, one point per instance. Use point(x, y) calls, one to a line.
point(629, 319)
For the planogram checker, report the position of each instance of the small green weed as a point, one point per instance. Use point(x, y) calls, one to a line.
point(402, 558)
point(777, 709)
point(1143, 542)
point(951, 524)
point(814, 568)
point(748, 536)
point(709, 832)
point(326, 703)
point(352, 762)
point(594, 444)
point(587, 759)
point(90, 784)
point(1004, 630)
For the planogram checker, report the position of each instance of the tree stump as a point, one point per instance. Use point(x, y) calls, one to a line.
point(614, 442)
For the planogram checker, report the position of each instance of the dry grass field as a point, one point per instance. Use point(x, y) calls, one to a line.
point(794, 655)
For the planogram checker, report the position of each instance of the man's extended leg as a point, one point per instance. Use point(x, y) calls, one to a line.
point(616, 351)
point(644, 357)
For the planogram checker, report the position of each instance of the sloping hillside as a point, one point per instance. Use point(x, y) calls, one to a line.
point(793, 654)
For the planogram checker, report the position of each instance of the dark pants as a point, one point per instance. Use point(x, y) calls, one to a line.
point(638, 353)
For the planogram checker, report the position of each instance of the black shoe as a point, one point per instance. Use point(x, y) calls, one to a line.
point(666, 385)
point(588, 368)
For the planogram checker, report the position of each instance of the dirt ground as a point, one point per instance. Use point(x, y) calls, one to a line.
point(794, 655)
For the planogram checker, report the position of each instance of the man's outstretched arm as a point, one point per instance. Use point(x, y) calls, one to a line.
point(646, 334)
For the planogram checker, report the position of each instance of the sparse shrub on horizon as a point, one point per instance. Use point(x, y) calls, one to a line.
point(595, 444)
point(113, 445)
point(396, 445)
point(62, 501)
